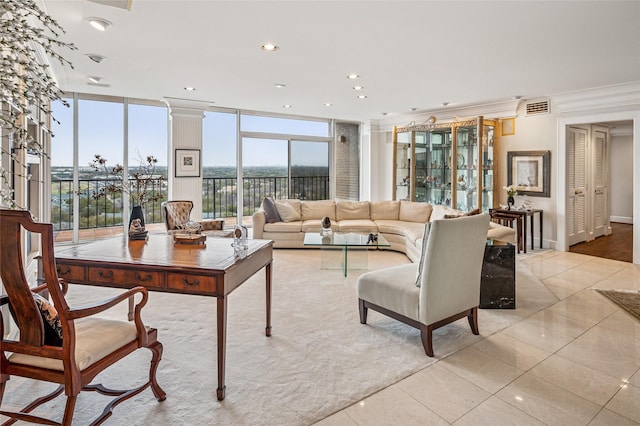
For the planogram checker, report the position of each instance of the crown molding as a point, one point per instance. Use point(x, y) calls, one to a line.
point(620, 97)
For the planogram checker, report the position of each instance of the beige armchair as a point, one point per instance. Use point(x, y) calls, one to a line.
point(445, 289)
point(177, 214)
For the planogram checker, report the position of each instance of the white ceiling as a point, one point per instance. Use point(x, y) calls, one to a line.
point(409, 54)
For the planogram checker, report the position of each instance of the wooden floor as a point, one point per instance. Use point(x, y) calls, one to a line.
point(617, 246)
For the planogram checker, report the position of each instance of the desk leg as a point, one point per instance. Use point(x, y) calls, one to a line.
point(531, 224)
point(267, 330)
point(222, 344)
point(524, 232)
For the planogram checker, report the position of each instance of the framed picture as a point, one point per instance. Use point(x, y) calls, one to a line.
point(529, 172)
point(508, 126)
point(187, 163)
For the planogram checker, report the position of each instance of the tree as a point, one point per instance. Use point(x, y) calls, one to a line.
point(25, 83)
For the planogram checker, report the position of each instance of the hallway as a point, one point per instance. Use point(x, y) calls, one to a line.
point(617, 246)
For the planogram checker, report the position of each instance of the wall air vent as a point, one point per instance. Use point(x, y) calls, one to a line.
point(540, 107)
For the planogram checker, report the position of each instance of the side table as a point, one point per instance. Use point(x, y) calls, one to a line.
point(498, 279)
point(522, 217)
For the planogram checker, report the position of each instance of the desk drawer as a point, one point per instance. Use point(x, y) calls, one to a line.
point(71, 273)
point(129, 277)
point(191, 283)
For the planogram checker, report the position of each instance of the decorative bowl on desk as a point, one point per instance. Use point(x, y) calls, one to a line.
point(189, 238)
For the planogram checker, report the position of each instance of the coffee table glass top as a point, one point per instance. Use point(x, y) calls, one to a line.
point(344, 239)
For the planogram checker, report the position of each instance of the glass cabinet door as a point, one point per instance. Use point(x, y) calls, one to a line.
point(403, 166)
point(439, 176)
point(420, 167)
point(466, 168)
point(488, 139)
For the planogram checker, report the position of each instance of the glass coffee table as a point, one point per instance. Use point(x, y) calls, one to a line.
point(336, 247)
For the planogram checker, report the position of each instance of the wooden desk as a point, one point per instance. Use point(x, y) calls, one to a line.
point(521, 216)
point(212, 269)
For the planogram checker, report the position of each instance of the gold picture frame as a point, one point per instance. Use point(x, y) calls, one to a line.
point(508, 126)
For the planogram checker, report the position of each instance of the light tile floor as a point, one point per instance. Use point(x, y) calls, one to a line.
point(576, 362)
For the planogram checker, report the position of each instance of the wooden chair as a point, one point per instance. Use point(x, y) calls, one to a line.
point(88, 344)
point(442, 287)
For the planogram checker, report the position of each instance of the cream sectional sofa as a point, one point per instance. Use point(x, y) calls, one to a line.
point(400, 222)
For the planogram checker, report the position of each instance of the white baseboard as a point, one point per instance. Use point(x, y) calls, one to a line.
point(621, 219)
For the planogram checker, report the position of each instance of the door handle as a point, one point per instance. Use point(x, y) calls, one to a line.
point(577, 192)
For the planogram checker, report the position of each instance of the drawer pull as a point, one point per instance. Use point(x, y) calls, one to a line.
point(186, 281)
point(107, 275)
point(143, 279)
point(65, 272)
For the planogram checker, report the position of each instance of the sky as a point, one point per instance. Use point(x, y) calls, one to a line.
point(101, 129)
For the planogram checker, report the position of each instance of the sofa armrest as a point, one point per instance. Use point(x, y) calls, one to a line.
point(501, 233)
point(258, 220)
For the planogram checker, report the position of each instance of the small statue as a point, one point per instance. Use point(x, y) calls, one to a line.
point(136, 227)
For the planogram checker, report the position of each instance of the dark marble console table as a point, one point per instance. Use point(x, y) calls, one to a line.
point(498, 282)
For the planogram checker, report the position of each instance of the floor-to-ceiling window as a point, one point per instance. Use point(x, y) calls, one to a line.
point(122, 132)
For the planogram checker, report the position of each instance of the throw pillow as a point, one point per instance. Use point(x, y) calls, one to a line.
point(425, 237)
point(270, 210)
point(469, 213)
point(50, 319)
point(287, 212)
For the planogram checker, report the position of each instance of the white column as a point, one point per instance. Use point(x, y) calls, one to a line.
point(185, 132)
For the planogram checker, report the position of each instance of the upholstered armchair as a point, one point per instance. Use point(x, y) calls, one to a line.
point(177, 219)
point(53, 342)
point(442, 287)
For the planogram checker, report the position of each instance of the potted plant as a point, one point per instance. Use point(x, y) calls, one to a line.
point(511, 191)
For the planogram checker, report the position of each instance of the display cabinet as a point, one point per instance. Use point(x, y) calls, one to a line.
point(446, 163)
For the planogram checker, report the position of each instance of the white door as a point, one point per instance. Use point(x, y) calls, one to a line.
point(576, 185)
point(600, 164)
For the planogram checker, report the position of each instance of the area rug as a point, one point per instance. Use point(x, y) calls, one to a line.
point(319, 359)
point(629, 300)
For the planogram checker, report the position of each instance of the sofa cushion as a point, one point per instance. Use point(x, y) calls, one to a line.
point(318, 209)
point(287, 211)
point(384, 210)
point(357, 225)
point(315, 225)
point(391, 226)
point(270, 211)
point(295, 226)
point(348, 210)
point(411, 211)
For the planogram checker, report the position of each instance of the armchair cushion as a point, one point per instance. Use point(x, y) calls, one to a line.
point(393, 288)
point(425, 237)
point(95, 339)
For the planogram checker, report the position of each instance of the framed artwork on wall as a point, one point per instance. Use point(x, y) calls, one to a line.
point(187, 163)
point(529, 172)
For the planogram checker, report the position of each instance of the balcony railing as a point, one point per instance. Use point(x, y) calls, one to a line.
point(219, 199)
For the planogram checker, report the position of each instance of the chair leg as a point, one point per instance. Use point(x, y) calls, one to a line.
point(68, 410)
point(156, 350)
point(473, 320)
point(363, 311)
point(426, 332)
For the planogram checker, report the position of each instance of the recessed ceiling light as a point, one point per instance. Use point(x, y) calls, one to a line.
point(362, 96)
point(384, 113)
point(269, 47)
point(189, 89)
point(353, 76)
point(444, 104)
point(516, 97)
point(99, 24)
point(280, 85)
point(327, 104)
point(95, 79)
point(358, 87)
point(413, 109)
point(286, 106)
point(95, 57)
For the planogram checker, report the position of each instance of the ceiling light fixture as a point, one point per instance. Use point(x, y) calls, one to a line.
point(444, 104)
point(414, 109)
point(269, 47)
point(286, 106)
point(384, 114)
point(95, 57)
point(95, 79)
point(327, 104)
point(99, 24)
point(362, 96)
point(516, 97)
point(353, 76)
point(358, 87)
point(279, 85)
point(189, 89)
